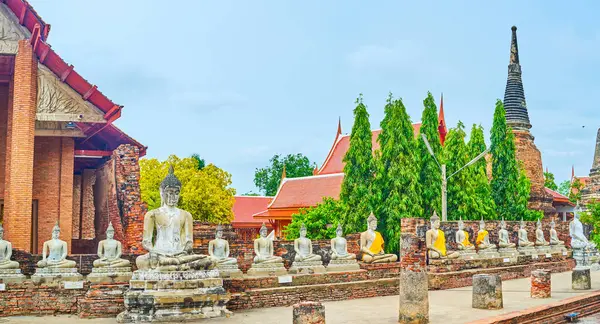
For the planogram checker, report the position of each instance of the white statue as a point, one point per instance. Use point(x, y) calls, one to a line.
point(263, 248)
point(6, 253)
point(303, 248)
point(554, 235)
point(54, 254)
point(578, 239)
point(539, 235)
point(462, 237)
point(218, 249)
point(339, 246)
point(483, 238)
point(523, 240)
point(503, 237)
point(110, 251)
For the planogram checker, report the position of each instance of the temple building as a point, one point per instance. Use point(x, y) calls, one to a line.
point(517, 118)
point(591, 189)
point(61, 157)
point(297, 193)
point(244, 207)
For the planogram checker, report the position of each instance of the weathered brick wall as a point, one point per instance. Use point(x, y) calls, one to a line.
point(3, 130)
point(105, 200)
point(76, 206)
point(65, 203)
point(104, 300)
point(88, 210)
point(29, 299)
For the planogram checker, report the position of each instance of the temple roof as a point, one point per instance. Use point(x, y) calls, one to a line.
point(517, 116)
point(558, 198)
point(246, 206)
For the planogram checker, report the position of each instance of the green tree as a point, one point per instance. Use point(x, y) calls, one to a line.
point(358, 172)
point(321, 220)
point(564, 188)
point(430, 174)
point(205, 193)
point(483, 204)
point(592, 217)
point(575, 192)
point(395, 186)
point(250, 193)
point(267, 179)
point(506, 177)
point(460, 188)
point(549, 181)
point(199, 160)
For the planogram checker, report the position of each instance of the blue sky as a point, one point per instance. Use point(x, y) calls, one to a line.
point(239, 81)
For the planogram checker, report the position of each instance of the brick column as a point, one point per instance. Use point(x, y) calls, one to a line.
point(67, 162)
point(88, 211)
point(19, 186)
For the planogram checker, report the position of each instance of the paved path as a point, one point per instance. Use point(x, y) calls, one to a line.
point(446, 306)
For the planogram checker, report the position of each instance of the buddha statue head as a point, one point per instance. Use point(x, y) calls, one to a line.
point(55, 232)
point(372, 222)
point(539, 224)
point(578, 210)
point(302, 231)
point(461, 225)
point(339, 231)
point(219, 232)
point(552, 224)
point(1, 232)
point(169, 189)
point(263, 231)
point(481, 224)
point(435, 221)
point(110, 231)
point(522, 224)
point(502, 223)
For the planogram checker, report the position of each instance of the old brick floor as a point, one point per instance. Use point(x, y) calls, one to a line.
point(446, 306)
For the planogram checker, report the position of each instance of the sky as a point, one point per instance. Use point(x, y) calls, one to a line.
point(240, 81)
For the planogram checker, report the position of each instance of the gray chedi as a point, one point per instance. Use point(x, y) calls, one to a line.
point(305, 261)
point(9, 270)
point(218, 251)
point(110, 268)
point(54, 265)
point(341, 259)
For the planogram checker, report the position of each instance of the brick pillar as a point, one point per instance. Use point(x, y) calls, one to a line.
point(76, 206)
point(20, 162)
point(88, 211)
point(67, 162)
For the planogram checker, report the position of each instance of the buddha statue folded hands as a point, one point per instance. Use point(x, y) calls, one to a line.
point(6, 253)
point(172, 230)
point(371, 244)
point(539, 235)
point(339, 246)
point(462, 238)
point(218, 249)
point(435, 240)
point(54, 252)
point(303, 248)
point(554, 235)
point(483, 238)
point(578, 239)
point(503, 237)
point(263, 248)
point(110, 251)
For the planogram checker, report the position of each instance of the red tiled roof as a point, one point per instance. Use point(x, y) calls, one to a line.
point(246, 206)
point(307, 191)
point(558, 197)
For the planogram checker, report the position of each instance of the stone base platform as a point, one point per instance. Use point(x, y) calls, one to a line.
point(467, 254)
point(307, 267)
point(342, 266)
point(229, 271)
point(55, 275)
point(174, 297)
point(558, 248)
point(107, 275)
point(508, 253)
point(488, 254)
point(267, 270)
point(11, 276)
point(527, 250)
point(543, 249)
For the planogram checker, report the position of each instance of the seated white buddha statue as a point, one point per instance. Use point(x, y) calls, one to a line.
point(503, 237)
point(54, 254)
point(110, 251)
point(303, 248)
point(539, 235)
point(523, 240)
point(263, 248)
point(483, 238)
point(218, 249)
point(372, 244)
point(578, 239)
point(339, 246)
point(6, 253)
point(462, 238)
point(554, 236)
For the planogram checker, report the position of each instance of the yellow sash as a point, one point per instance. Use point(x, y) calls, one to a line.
point(440, 242)
point(466, 242)
point(480, 236)
point(377, 245)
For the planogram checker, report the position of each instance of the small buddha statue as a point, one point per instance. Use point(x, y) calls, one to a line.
point(110, 251)
point(578, 239)
point(371, 244)
point(523, 240)
point(503, 237)
point(54, 253)
point(483, 238)
point(218, 249)
point(539, 235)
point(554, 235)
point(263, 248)
point(303, 248)
point(168, 234)
point(6, 253)
point(462, 237)
point(339, 246)
point(436, 241)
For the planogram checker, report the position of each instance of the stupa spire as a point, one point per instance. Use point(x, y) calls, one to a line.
point(517, 116)
point(596, 163)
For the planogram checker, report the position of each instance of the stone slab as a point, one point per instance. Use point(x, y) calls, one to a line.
point(581, 280)
point(508, 252)
point(488, 254)
point(267, 270)
point(11, 276)
point(309, 267)
point(55, 275)
point(413, 298)
point(487, 291)
point(527, 250)
point(342, 266)
point(543, 249)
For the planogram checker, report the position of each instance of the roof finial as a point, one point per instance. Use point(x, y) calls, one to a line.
point(442, 118)
point(339, 130)
point(283, 175)
point(572, 172)
point(514, 48)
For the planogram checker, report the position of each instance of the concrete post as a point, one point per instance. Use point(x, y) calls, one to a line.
point(541, 284)
point(414, 298)
point(580, 279)
point(308, 313)
point(487, 291)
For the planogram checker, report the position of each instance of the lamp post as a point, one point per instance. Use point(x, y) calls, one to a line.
point(445, 179)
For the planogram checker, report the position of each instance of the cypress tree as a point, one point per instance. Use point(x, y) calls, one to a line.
point(430, 176)
point(358, 172)
point(482, 204)
point(395, 186)
point(460, 190)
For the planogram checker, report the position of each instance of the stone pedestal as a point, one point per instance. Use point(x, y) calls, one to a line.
point(11, 276)
point(488, 254)
point(229, 271)
point(55, 275)
point(530, 250)
point(467, 254)
point(508, 252)
point(174, 296)
point(108, 275)
point(308, 313)
point(557, 248)
point(543, 249)
point(541, 284)
point(581, 279)
point(267, 270)
point(342, 265)
point(307, 267)
point(584, 259)
point(414, 298)
point(487, 291)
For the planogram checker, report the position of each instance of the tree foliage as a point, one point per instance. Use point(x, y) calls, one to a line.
point(430, 176)
point(482, 204)
point(321, 221)
point(205, 193)
point(395, 187)
point(510, 186)
point(199, 160)
point(549, 181)
point(564, 188)
point(267, 179)
point(358, 172)
point(592, 217)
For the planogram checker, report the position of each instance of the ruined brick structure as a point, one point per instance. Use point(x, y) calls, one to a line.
point(591, 191)
point(517, 118)
point(57, 144)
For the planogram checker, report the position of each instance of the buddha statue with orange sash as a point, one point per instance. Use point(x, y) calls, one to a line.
point(371, 244)
point(436, 241)
point(462, 237)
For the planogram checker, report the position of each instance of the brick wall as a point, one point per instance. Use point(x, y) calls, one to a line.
point(88, 210)
point(104, 196)
point(3, 130)
point(29, 299)
point(76, 227)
